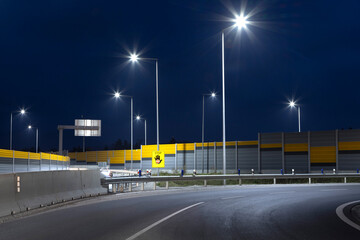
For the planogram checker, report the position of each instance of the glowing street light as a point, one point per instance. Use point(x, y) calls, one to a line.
point(36, 138)
point(117, 95)
point(292, 104)
point(212, 95)
point(134, 58)
point(139, 118)
point(22, 112)
point(240, 22)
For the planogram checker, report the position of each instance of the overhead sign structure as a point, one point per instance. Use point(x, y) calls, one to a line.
point(158, 159)
point(87, 123)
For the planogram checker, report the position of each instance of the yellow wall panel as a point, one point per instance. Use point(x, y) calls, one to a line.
point(116, 160)
point(206, 144)
point(54, 157)
point(185, 146)
point(271, 145)
point(147, 150)
point(22, 155)
point(72, 155)
point(167, 148)
point(45, 156)
point(102, 156)
point(296, 147)
point(35, 156)
point(81, 156)
point(323, 154)
point(91, 156)
point(346, 146)
point(245, 143)
point(6, 153)
point(136, 155)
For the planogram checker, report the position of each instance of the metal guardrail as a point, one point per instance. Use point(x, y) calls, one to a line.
point(121, 182)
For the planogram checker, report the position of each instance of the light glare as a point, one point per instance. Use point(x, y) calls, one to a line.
point(22, 111)
point(137, 117)
point(29, 127)
point(213, 94)
point(116, 94)
point(292, 104)
point(133, 57)
point(241, 22)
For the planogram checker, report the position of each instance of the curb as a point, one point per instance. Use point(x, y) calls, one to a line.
point(350, 214)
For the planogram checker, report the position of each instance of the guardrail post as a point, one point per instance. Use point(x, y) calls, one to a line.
point(142, 186)
point(240, 181)
point(130, 187)
point(205, 183)
point(309, 180)
point(344, 179)
point(154, 185)
point(274, 180)
point(113, 188)
point(167, 185)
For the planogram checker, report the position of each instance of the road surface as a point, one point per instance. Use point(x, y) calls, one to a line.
point(232, 212)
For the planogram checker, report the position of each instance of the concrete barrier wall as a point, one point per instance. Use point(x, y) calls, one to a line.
point(44, 188)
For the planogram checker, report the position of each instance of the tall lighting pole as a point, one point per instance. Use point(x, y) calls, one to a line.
point(292, 104)
point(22, 112)
point(139, 118)
point(203, 129)
point(240, 22)
point(36, 138)
point(134, 58)
point(118, 95)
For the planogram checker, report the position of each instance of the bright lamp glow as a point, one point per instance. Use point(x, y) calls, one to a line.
point(134, 57)
point(213, 94)
point(22, 111)
point(29, 127)
point(292, 104)
point(116, 94)
point(137, 117)
point(241, 22)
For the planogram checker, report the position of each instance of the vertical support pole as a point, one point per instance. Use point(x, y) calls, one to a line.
point(202, 131)
point(309, 153)
point(11, 131)
point(13, 162)
point(157, 103)
point(259, 153)
point(345, 180)
point(124, 159)
point(132, 132)
point(28, 162)
point(205, 183)
point(167, 185)
point(215, 160)
point(195, 156)
point(142, 186)
point(141, 157)
point(175, 156)
point(299, 118)
point(240, 182)
point(145, 133)
point(274, 180)
point(236, 156)
point(223, 101)
point(337, 149)
point(283, 150)
point(309, 180)
point(130, 187)
point(154, 186)
point(50, 161)
point(60, 140)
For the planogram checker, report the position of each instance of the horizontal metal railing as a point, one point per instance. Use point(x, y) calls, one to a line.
point(128, 181)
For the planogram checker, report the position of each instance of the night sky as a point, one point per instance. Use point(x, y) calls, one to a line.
point(62, 60)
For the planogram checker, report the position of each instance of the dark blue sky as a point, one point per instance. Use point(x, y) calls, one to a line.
point(62, 59)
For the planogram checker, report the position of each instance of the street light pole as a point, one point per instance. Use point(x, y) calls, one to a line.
point(223, 102)
point(132, 132)
point(145, 132)
point(37, 140)
point(157, 103)
point(202, 137)
point(11, 117)
point(299, 118)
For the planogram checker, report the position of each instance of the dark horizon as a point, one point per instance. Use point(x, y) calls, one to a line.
point(63, 60)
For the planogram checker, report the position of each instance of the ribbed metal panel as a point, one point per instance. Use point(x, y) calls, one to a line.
point(230, 158)
point(21, 165)
point(349, 135)
point(211, 159)
point(199, 158)
point(271, 160)
point(146, 163)
point(298, 162)
point(185, 160)
point(45, 165)
point(169, 162)
point(219, 158)
point(34, 165)
point(6, 165)
point(349, 161)
point(297, 137)
point(322, 139)
point(247, 159)
point(270, 138)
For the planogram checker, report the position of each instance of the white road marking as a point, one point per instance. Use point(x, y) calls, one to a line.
point(282, 192)
point(232, 197)
point(160, 221)
point(330, 190)
point(341, 215)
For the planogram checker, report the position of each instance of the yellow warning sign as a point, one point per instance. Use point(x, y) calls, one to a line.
point(158, 159)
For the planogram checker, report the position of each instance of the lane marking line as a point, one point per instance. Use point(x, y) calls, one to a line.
point(282, 192)
point(162, 220)
point(225, 198)
point(330, 190)
point(341, 215)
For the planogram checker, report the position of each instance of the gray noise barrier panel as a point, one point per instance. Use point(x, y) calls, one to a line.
point(45, 188)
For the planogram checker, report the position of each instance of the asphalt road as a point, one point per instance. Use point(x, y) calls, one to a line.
point(238, 212)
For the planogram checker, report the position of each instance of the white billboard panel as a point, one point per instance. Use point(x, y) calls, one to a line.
point(87, 123)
